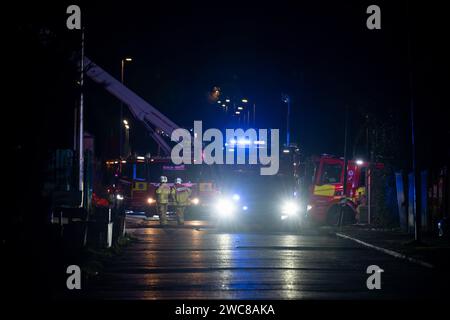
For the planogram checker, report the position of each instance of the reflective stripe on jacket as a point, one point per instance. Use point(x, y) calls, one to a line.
point(181, 194)
point(162, 193)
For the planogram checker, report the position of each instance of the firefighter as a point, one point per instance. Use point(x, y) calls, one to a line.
point(162, 200)
point(181, 195)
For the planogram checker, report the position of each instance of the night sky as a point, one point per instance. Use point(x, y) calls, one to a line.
point(319, 52)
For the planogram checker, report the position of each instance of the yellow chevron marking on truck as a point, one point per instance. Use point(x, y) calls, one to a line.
point(324, 190)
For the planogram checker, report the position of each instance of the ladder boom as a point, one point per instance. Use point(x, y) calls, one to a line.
point(156, 122)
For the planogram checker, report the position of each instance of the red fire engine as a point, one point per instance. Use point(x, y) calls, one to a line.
point(136, 179)
point(326, 188)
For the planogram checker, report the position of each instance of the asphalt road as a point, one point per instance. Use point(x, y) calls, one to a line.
point(201, 262)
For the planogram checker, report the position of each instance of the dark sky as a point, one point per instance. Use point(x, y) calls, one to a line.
point(319, 52)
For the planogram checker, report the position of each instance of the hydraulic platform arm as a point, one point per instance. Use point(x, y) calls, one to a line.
point(157, 123)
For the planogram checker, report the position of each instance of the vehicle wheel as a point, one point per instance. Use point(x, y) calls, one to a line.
point(333, 216)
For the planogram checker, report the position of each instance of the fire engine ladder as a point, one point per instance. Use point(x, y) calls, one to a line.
point(156, 122)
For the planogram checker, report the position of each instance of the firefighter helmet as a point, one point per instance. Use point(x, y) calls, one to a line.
point(178, 180)
point(163, 179)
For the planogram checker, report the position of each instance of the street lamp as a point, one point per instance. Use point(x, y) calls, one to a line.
point(286, 99)
point(245, 101)
point(122, 68)
point(122, 65)
point(127, 137)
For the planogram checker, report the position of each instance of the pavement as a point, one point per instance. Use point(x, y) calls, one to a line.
point(199, 261)
point(432, 251)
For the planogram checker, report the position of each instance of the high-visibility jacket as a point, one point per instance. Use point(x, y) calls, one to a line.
point(162, 193)
point(181, 194)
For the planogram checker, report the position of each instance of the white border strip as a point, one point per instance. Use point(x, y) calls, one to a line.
point(387, 251)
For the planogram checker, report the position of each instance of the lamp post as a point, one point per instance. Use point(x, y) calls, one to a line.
point(286, 99)
point(127, 138)
point(81, 125)
point(245, 102)
point(122, 69)
point(417, 194)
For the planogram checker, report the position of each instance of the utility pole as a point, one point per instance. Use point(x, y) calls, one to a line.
point(417, 189)
point(344, 184)
point(80, 125)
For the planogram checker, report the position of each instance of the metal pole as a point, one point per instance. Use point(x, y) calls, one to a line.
point(417, 192)
point(127, 142)
point(75, 129)
point(344, 182)
point(369, 193)
point(254, 115)
point(81, 128)
point(121, 113)
point(287, 121)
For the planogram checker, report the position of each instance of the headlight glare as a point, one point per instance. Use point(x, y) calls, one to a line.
point(225, 207)
point(290, 208)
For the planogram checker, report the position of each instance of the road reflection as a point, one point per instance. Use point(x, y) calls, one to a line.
point(188, 262)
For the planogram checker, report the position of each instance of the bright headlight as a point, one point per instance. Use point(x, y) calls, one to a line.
point(225, 207)
point(290, 208)
point(150, 200)
point(308, 207)
point(195, 201)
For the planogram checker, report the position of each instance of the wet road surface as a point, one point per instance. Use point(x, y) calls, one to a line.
point(200, 262)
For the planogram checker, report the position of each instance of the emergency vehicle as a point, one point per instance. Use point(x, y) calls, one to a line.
point(136, 179)
point(324, 183)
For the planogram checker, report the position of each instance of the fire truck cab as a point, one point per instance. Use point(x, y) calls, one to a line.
point(325, 189)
